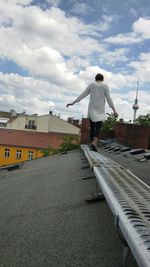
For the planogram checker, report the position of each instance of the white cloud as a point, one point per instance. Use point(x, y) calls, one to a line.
point(80, 8)
point(115, 81)
point(107, 22)
point(37, 28)
point(34, 30)
point(124, 103)
point(36, 96)
point(57, 51)
point(141, 31)
point(76, 63)
point(142, 27)
point(124, 39)
point(142, 67)
point(27, 93)
point(114, 56)
point(37, 39)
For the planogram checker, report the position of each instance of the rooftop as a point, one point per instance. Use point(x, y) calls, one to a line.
point(131, 162)
point(11, 137)
point(45, 220)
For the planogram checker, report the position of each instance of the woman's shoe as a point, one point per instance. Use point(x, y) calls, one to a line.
point(93, 148)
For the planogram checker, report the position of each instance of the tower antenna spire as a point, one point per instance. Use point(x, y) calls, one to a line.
point(135, 105)
point(137, 88)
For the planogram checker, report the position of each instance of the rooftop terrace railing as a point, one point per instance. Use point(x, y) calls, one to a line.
point(129, 200)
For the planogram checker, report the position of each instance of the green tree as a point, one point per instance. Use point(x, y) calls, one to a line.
point(49, 151)
point(69, 143)
point(109, 124)
point(144, 120)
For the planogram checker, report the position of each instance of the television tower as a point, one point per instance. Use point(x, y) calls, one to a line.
point(135, 105)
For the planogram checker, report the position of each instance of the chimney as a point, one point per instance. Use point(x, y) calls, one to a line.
point(70, 120)
point(13, 113)
point(76, 123)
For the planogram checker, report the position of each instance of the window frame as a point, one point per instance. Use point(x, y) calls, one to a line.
point(18, 154)
point(7, 153)
point(30, 155)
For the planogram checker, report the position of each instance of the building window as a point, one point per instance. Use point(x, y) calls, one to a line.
point(2, 124)
point(31, 125)
point(18, 154)
point(30, 155)
point(7, 153)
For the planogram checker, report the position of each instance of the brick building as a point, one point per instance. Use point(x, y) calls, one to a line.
point(18, 146)
point(134, 135)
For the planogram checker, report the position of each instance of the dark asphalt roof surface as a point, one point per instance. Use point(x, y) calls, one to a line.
point(46, 222)
point(131, 162)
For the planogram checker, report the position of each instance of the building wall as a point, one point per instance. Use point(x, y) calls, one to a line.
point(55, 141)
point(44, 123)
point(136, 136)
point(3, 122)
point(58, 125)
point(12, 159)
point(85, 131)
point(18, 123)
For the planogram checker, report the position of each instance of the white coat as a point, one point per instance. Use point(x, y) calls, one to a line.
point(99, 93)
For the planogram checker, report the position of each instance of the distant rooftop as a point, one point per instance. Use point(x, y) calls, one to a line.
point(5, 114)
point(32, 139)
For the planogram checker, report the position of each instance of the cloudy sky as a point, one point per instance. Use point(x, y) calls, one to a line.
point(51, 50)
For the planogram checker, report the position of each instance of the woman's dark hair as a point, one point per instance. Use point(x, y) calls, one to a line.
point(99, 77)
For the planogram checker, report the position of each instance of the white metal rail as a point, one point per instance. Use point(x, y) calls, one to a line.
point(129, 199)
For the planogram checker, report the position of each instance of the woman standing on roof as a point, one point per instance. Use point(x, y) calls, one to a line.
point(99, 93)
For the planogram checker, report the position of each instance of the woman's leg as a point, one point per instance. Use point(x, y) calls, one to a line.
point(97, 128)
point(92, 130)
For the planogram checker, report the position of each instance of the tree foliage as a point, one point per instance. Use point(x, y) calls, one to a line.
point(69, 143)
point(109, 124)
point(144, 120)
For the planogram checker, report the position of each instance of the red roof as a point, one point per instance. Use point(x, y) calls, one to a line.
point(29, 138)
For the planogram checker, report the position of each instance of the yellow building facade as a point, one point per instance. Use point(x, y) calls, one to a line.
point(15, 154)
point(17, 146)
